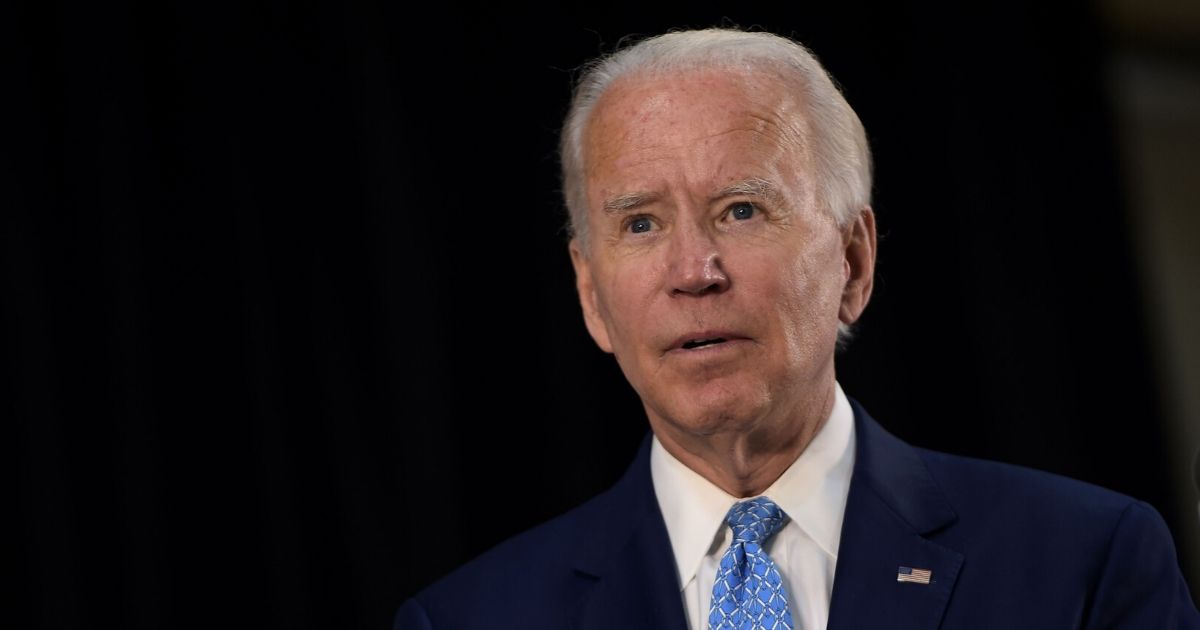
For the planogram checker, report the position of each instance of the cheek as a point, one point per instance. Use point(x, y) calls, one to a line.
point(626, 302)
point(811, 299)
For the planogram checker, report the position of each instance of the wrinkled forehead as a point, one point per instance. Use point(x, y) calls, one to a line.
point(752, 115)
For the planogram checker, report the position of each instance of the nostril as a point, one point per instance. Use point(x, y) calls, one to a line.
point(715, 287)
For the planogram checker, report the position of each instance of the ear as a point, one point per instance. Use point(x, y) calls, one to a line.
point(588, 300)
point(858, 238)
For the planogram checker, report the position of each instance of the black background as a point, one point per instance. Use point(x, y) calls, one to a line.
point(291, 324)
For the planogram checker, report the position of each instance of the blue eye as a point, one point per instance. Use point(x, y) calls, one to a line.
point(742, 211)
point(639, 225)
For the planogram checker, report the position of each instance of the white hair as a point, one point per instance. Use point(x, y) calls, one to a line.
point(837, 142)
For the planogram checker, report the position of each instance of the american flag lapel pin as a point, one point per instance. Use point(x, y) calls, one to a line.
point(916, 576)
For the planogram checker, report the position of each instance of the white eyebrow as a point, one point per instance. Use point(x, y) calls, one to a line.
point(752, 187)
point(627, 201)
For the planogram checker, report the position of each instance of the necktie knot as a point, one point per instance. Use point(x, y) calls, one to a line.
point(755, 520)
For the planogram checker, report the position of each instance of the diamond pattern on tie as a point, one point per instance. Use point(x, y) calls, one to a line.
point(748, 593)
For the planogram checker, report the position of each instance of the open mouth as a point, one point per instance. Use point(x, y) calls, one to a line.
point(700, 343)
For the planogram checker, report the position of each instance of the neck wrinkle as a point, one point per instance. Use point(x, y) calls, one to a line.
point(750, 472)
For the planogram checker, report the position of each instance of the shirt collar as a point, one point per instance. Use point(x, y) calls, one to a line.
point(812, 491)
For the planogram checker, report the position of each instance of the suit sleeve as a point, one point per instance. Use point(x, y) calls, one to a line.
point(412, 616)
point(1140, 584)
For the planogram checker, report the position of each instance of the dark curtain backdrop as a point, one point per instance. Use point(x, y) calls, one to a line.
point(290, 326)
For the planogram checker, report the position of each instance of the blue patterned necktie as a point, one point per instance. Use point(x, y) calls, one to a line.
point(748, 593)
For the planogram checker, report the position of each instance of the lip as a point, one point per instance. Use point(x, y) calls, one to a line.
point(727, 335)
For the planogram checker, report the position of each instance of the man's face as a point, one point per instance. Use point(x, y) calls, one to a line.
point(712, 273)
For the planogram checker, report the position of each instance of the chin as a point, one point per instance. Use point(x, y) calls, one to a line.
point(717, 410)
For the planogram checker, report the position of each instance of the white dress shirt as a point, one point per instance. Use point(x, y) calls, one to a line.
point(812, 492)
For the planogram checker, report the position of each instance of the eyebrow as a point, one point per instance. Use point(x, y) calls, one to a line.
point(752, 187)
point(628, 201)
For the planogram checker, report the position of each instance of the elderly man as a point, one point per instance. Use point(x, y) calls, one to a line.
point(719, 190)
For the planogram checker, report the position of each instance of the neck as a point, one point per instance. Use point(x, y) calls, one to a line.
point(744, 461)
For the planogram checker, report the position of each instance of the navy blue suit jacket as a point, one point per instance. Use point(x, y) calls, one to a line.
point(1008, 548)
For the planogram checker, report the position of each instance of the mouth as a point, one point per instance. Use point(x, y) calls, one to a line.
point(704, 339)
point(700, 343)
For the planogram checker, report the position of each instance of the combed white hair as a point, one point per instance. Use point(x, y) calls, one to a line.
point(836, 139)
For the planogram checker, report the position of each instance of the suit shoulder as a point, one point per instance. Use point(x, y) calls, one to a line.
point(1110, 555)
point(969, 480)
point(537, 564)
point(543, 546)
point(1005, 501)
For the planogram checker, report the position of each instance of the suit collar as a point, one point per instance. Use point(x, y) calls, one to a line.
point(894, 504)
point(622, 511)
point(897, 475)
point(629, 560)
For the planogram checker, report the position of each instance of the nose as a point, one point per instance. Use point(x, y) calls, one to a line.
point(695, 266)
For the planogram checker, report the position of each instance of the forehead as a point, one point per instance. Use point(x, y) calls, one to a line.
point(705, 121)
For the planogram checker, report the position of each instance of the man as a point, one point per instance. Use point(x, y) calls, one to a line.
point(723, 240)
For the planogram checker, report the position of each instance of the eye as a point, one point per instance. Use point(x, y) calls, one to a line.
point(742, 210)
point(639, 225)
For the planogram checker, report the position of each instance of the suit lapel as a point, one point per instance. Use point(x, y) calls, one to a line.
point(629, 561)
point(892, 506)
